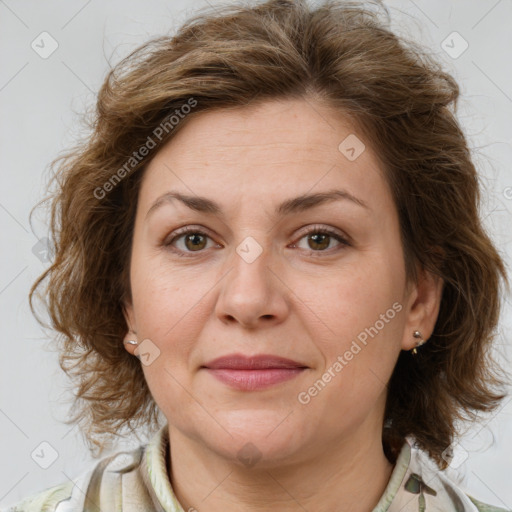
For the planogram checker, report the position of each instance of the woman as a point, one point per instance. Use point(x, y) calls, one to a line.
point(272, 238)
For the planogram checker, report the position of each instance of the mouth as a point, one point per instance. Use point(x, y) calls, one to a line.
point(254, 372)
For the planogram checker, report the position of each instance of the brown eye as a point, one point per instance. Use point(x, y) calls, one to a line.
point(188, 240)
point(319, 240)
point(195, 241)
point(191, 240)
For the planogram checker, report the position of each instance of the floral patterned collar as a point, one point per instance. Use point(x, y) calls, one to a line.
point(138, 480)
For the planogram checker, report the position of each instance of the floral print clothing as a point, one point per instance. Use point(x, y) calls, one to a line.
point(137, 481)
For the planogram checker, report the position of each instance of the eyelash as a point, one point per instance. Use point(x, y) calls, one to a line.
point(314, 230)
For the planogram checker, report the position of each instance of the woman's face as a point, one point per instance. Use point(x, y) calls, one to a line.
point(265, 271)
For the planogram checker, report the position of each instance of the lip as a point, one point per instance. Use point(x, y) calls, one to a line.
point(251, 373)
point(256, 362)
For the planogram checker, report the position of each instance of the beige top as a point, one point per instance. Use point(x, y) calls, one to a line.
point(138, 481)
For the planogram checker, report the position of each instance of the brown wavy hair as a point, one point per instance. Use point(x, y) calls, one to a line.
point(344, 55)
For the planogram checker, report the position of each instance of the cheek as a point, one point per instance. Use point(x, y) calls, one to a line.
point(359, 356)
point(361, 320)
point(171, 307)
point(162, 294)
point(354, 299)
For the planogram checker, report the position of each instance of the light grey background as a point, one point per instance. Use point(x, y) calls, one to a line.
point(38, 98)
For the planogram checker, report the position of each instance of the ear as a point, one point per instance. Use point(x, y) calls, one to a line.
point(423, 303)
point(131, 331)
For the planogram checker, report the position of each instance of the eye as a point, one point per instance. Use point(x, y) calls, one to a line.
point(193, 240)
point(319, 239)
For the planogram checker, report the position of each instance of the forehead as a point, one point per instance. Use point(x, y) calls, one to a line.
point(265, 151)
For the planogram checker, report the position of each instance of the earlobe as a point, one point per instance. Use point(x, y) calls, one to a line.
point(131, 346)
point(419, 341)
point(130, 342)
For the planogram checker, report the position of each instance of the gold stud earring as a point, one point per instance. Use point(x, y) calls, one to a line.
point(417, 335)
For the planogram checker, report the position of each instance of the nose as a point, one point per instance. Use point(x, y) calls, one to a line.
point(252, 293)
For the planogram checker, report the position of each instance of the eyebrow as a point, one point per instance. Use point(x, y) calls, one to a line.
point(294, 205)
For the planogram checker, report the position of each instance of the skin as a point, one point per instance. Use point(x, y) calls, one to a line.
point(293, 301)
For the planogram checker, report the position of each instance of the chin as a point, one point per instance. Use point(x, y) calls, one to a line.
point(259, 438)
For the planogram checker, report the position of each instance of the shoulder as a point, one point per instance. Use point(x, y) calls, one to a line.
point(483, 507)
point(417, 480)
point(94, 485)
point(43, 501)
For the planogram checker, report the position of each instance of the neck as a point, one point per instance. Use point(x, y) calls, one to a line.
point(349, 475)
